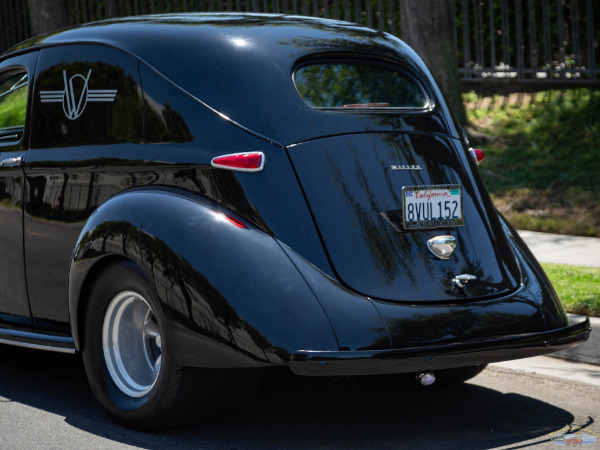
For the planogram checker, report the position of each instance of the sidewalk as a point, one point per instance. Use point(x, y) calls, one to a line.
point(547, 366)
point(580, 363)
point(577, 250)
point(563, 249)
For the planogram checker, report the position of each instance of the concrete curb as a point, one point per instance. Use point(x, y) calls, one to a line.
point(588, 352)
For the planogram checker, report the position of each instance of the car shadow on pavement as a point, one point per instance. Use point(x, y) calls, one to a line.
point(292, 413)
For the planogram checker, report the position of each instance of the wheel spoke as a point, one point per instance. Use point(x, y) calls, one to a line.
point(151, 329)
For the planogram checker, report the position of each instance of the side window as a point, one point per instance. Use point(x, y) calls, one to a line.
point(13, 105)
point(86, 95)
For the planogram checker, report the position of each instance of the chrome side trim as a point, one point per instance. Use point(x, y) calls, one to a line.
point(28, 339)
point(71, 351)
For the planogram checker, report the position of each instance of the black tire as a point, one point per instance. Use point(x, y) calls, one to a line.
point(167, 401)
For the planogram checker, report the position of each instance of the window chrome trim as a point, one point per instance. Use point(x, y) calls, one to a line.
point(366, 60)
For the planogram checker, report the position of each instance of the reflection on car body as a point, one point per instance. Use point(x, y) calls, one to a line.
point(189, 200)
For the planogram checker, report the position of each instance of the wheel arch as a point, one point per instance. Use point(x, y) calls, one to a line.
point(230, 295)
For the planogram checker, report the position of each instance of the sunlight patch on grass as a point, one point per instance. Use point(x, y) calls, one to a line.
point(542, 161)
point(578, 287)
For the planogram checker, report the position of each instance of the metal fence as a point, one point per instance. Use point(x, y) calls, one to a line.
point(529, 41)
point(542, 42)
point(14, 23)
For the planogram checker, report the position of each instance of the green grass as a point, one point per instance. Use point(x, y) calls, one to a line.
point(578, 287)
point(542, 160)
point(13, 108)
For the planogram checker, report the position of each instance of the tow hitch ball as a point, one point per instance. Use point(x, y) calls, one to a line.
point(426, 378)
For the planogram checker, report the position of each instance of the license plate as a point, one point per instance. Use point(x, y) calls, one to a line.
point(432, 206)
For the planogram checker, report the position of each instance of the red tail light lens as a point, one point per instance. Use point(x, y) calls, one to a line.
point(231, 220)
point(477, 154)
point(245, 162)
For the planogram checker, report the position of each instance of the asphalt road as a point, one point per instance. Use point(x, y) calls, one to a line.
point(45, 403)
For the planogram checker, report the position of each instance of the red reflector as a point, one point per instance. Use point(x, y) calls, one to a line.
point(477, 154)
point(245, 162)
point(237, 223)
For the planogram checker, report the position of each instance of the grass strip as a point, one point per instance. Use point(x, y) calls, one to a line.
point(577, 286)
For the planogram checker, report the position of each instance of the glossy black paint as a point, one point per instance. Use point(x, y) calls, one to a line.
point(315, 268)
point(247, 307)
point(251, 59)
point(362, 323)
point(414, 359)
point(14, 307)
point(348, 182)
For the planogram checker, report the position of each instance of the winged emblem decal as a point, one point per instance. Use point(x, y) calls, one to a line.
point(76, 95)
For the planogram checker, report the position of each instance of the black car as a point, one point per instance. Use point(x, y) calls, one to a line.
point(190, 200)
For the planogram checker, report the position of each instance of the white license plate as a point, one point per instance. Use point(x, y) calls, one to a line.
point(432, 206)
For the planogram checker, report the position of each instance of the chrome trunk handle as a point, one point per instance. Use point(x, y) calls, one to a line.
point(460, 281)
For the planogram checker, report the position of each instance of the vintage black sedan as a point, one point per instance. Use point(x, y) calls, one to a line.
point(190, 200)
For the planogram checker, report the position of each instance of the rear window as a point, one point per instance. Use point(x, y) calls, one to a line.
point(358, 85)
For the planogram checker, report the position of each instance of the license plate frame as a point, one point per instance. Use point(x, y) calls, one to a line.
point(435, 206)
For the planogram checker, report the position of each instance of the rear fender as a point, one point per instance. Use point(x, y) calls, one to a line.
point(536, 280)
point(229, 294)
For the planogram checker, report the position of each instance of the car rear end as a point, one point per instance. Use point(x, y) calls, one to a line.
point(370, 188)
point(407, 223)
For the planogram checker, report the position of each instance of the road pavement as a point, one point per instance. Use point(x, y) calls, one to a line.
point(45, 403)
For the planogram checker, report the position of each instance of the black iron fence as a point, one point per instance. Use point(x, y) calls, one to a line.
point(529, 41)
point(14, 22)
point(497, 41)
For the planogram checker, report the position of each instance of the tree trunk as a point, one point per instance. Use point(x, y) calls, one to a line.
point(426, 25)
point(48, 15)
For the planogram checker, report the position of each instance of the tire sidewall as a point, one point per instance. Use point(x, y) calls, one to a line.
point(134, 412)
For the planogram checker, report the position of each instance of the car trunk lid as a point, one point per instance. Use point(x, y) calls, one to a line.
point(356, 186)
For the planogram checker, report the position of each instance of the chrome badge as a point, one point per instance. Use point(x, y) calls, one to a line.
point(442, 246)
point(405, 167)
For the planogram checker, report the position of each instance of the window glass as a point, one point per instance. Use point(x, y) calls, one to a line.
point(13, 100)
point(86, 95)
point(358, 85)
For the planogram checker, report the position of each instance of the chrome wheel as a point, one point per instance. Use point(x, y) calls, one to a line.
point(129, 368)
point(132, 344)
